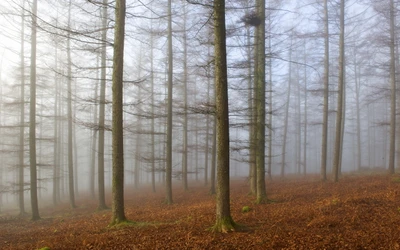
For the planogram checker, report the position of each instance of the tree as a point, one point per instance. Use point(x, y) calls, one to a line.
point(285, 129)
point(393, 91)
point(339, 112)
point(21, 186)
point(69, 113)
point(185, 107)
point(100, 160)
point(224, 221)
point(32, 118)
point(324, 144)
point(260, 102)
point(118, 210)
point(168, 171)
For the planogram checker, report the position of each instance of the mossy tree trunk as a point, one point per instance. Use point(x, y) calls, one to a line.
point(224, 221)
point(118, 210)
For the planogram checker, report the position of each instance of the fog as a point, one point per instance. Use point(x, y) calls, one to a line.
point(295, 58)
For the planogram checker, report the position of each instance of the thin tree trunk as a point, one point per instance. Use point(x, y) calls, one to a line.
point(339, 114)
point(269, 127)
point(357, 83)
point(100, 160)
point(168, 171)
point(324, 144)
point(69, 108)
point(305, 112)
point(213, 157)
point(207, 150)
point(185, 118)
point(32, 118)
point(94, 137)
point(118, 209)
point(393, 91)
point(21, 186)
point(252, 116)
point(153, 164)
point(285, 129)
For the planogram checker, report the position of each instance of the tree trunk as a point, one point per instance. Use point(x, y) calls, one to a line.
point(260, 105)
point(224, 221)
point(324, 144)
point(185, 115)
point(69, 114)
point(118, 210)
point(207, 150)
point(285, 129)
point(305, 112)
point(357, 90)
point(252, 117)
point(32, 118)
point(393, 91)
point(339, 114)
point(168, 170)
point(100, 160)
point(21, 186)
point(213, 158)
point(153, 164)
point(269, 127)
point(94, 138)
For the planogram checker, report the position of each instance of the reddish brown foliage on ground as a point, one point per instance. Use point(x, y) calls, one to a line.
point(359, 212)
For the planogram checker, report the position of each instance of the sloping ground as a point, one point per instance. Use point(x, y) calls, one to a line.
point(359, 212)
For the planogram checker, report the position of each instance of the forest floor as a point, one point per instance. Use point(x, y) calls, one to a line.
point(358, 212)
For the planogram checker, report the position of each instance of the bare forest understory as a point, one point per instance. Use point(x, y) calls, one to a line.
point(362, 211)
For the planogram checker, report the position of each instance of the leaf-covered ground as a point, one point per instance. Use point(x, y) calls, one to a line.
point(359, 212)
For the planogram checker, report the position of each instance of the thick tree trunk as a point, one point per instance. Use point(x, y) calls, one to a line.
point(260, 105)
point(118, 210)
point(224, 222)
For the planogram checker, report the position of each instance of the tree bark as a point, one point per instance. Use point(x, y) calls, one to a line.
point(21, 186)
point(32, 118)
point(100, 157)
point(224, 221)
point(339, 114)
point(260, 105)
point(392, 149)
point(168, 171)
point(69, 114)
point(118, 210)
point(324, 144)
